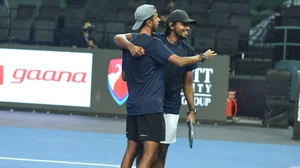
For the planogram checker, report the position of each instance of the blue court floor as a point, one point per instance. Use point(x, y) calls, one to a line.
point(45, 148)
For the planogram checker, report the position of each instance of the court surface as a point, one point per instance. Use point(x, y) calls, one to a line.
point(30, 140)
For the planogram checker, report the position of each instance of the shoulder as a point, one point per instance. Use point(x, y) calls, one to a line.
point(158, 35)
point(156, 40)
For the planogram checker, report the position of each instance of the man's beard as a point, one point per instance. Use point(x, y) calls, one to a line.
point(154, 28)
point(182, 34)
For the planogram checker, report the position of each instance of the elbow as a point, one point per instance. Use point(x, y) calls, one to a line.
point(180, 64)
point(115, 38)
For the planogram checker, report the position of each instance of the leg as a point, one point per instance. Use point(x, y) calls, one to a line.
point(139, 155)
point(130, 154)
point(161, 158)
point(150, 152)
point(133, 144)
point(151, 131)
point(171, 122)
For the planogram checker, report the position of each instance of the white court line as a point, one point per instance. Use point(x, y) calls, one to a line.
point(60, 162)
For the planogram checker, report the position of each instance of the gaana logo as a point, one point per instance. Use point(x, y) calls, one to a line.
point(22, 75)
point(116, 86)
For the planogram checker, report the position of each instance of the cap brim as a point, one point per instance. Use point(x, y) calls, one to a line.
point(191, 21)
point(137, 25)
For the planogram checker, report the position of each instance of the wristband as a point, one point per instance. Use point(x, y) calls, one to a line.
point(193, 110)
point(202, 55)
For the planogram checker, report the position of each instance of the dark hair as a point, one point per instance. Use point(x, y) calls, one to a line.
point(168, 30)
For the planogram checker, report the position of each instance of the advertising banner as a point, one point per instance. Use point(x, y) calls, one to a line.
point(90, 81)
point(45, 77)
point(210, 82)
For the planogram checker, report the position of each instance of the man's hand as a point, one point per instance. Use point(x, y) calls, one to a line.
point(209, 54)
point(136, 50)
point(191, 115)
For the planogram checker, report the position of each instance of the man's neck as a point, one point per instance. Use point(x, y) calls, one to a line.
point(146, 31)
point(173, 39)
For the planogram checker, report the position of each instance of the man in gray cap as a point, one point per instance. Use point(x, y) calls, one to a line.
point(145, 124)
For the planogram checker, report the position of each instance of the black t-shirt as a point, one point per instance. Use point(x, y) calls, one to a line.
point(174, 75)
point(145, 76)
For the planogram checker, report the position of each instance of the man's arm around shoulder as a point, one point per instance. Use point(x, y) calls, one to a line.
point(122, 41)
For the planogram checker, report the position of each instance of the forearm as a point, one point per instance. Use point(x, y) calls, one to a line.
point(183, 61)
point(189, 94)
point(121, 40)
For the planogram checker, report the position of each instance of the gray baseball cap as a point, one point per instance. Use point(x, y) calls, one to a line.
point(180, 15)
point(141, 14)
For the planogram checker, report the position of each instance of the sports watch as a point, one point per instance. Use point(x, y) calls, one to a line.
point(203, 57)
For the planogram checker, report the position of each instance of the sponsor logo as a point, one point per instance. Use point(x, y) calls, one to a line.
point(202, 87)
point(23, 75)
point(116, 86)
point(1, 74)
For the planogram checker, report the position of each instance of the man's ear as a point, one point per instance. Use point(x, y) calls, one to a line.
point(149, 22)
point(171, 25)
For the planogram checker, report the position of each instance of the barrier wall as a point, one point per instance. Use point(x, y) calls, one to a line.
point(89, 82)
point(249, 91)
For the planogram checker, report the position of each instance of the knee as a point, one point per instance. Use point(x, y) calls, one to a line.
point(163, 149)
point(151, 156)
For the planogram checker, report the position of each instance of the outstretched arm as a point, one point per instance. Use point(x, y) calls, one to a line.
point(160, 52)
point(186, 60)
point(121, 40)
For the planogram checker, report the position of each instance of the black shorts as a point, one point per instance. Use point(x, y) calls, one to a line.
point(148, 127)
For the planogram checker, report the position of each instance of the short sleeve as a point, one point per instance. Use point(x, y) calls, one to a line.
point(159, 51)
point(134, 34)
point(194, 66)
point(124, 59)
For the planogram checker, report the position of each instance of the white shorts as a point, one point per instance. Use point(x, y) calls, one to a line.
point(171, 122)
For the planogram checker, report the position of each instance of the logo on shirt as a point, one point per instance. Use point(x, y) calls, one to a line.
point(116, 86)
point(1, 74)
point(202, 87)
